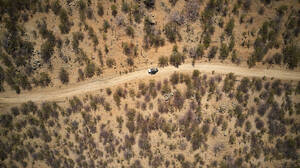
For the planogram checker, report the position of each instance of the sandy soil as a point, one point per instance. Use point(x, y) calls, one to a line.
point(59, 93)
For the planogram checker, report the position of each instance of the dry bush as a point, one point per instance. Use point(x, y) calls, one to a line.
point(192, 10)
point(178, 100)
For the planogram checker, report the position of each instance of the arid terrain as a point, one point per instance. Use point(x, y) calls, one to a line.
point(75, 89)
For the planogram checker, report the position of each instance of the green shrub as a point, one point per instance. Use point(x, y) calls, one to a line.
point(130, 61)
point(82, 8)
point(173, 2)
point(90, 70)
point(224, 51)
point(65, 24)
point(137, 13)
point(149, 3)
point(114, 10)
point(77, 36)
point(130, 31)
point(212, 52)
point(125, 7)
point(163, 61)
point(176, 57)
point(64, 76)
point(44, 79)
point(108, 91)
point(100, 9)
point(199, 51)
point(172, 32)
point(229, 27)
point(47, 50)
point(80, 75)
point(2, 78)
point(206, 40)
point(106, 26)
point(117, 96)
point(277, 58)
point(291, 55)
point(89, 13)
point(174, 79)
point(55, 7)
point(110, 62)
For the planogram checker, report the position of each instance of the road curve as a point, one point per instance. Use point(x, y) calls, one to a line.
point(55, 93)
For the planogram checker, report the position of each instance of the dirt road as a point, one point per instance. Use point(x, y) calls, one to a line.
point(55, 93)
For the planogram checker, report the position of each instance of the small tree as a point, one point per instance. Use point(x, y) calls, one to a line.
point(64, 76)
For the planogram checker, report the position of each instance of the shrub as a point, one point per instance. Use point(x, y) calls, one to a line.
point(108, 91)
point(110, 62)
point(173, 2)
point(163, 61)
point(288, 148)
point(149, 3)
point(55, 7)
point(90, 70)
point(257, 83)
point(206, 40)
point(276, 128)
point(259, 124)
point(130, 31)
point(117, 96)
point(229, 82)
point(229, 27)
point(199, 51)
point(106, 26)
point(80, 75)
point(114, 10)
point(176, 57)
point(212, 52)
point(291, 55)
point(244, 85)
point(100, 10)
point(137, 13)
point(47, 50)
point(65, 24)
point(44, 79)
point(277, 87)
point(247, 5)
point(178, 100)
point(192, 10)
point(125, 7)
point(15, 111)
point(130, 61)
point(64, 76)
point(89, 13)
point(224, 51)
point(277, 58)
point(82, 7)
point(77, 36)
point(171, 31)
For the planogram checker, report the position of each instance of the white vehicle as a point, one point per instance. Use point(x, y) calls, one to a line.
point(152, 71)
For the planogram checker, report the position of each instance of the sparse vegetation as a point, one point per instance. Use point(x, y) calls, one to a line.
point(187, 119)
